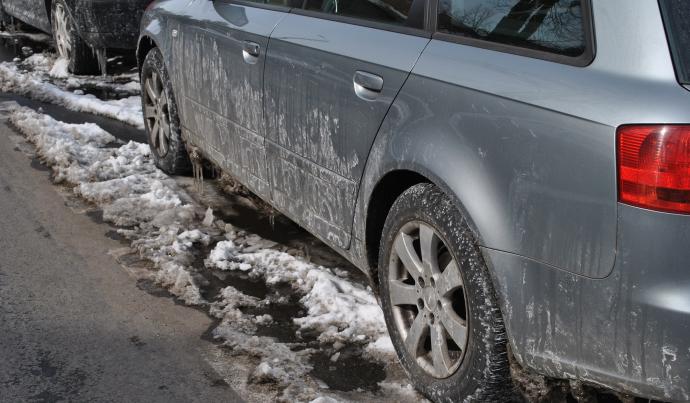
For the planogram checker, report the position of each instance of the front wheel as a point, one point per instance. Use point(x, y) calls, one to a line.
point(160, 116)
point(70, 46)
point(439, 302)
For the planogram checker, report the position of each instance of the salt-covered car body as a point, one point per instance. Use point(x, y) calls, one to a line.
point(331, 118)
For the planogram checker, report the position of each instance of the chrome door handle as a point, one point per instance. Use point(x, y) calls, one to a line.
point(367, 86)
point(250, 52)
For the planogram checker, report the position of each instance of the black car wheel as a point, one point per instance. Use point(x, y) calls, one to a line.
point(439, 302)
point(160, 115)
point(70, 46)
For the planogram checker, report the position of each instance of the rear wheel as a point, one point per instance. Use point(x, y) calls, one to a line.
point(160, 116)
point(439, 302)
point(69, 45)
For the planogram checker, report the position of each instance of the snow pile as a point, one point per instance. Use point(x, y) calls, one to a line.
point(31, 81)
point(340, 310)
point(45, 66)
point(59, 69)
point(67, 148)
point(278, 362)
point(131, 191)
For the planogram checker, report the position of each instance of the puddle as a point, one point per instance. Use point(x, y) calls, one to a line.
point(116, 236)
point(38, 165)
point(349, 371)
point(19, 47)
point(96, 216)
point(150, 287)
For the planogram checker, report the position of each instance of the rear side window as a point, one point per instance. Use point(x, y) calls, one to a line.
point(385, 11)
point(555, 26)
point(677, 19)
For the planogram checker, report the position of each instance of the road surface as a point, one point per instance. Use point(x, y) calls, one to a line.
point(73, 324)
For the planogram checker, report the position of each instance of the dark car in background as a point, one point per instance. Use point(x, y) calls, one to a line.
point(82, 29)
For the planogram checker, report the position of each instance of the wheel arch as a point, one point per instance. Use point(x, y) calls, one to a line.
point(49, 10)
point(145, 44)
point(407, 152)
point(384, 194)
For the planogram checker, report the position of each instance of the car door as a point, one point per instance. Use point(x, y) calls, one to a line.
point(332, 72)
point(220, 52)
point(32, 12)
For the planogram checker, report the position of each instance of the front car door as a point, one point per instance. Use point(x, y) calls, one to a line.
point(32, 12)
point(333, 70)
point(222, 48)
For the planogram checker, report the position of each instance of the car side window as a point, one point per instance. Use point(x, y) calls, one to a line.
point(280, 3)
point(555, 26)
point(395, 12)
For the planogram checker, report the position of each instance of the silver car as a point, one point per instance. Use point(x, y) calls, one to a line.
point(513, 175)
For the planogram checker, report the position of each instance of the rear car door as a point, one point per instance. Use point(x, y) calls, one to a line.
point(333, 69)
point(220, 69)
point(32, 12)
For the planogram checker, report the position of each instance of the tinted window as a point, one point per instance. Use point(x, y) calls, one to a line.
point(386, 11)
point(677, 19)
point(284, 3)
point(549, 25)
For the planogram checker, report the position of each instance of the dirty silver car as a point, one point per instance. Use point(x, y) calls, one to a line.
point(513, 175)
point(82, 29)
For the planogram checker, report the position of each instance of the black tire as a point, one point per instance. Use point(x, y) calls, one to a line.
point(82, 58)
point(483, 374)
point(176, 160)
point(4, 19)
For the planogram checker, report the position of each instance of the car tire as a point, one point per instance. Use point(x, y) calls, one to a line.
point(3, 19)
point(436, 291)
point(81, 57)
point(160, 117)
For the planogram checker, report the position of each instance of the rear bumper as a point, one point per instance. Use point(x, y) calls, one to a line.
point(109, 23)
point(629, 332)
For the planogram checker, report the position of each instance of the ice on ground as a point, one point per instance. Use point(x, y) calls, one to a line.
point(59, 69)
point(33, 83)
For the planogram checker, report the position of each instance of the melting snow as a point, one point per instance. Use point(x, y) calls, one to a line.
point(340, 310)
point(28, 78)
point(166, 227)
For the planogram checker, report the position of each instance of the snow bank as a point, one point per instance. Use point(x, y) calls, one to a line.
point(128, 187)
point(340, 310)
point(32, 81)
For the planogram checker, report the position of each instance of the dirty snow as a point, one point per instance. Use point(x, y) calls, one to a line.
point(166, 227)
point(59, 69)
point(340, 310)
point(35, 37)
point(31, 78)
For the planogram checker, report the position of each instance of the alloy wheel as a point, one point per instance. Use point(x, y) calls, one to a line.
point(156, 114)
point(62, 37)
point(427, 295)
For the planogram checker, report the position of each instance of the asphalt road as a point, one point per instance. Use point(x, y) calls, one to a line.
point(73, 324)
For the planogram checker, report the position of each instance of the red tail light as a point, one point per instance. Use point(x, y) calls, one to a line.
point(654, 167)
